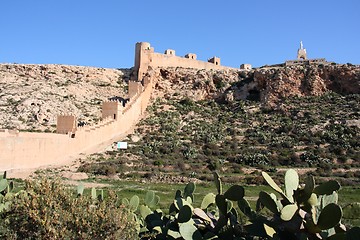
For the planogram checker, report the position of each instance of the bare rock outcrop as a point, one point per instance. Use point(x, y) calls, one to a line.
point(269, 85)
point(193, 83)
point(275, 84)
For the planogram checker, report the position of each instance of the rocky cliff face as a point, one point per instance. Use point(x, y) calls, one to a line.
point(280, 83)
point(31, 96)
point(268, 85)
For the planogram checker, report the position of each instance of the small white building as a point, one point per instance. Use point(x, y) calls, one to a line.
point(121, 145)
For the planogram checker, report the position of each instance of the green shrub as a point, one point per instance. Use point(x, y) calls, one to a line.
point(47, 209)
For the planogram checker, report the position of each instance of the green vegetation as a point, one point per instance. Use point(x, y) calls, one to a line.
point(193, 138)
point(47, 209)
point(304, 212)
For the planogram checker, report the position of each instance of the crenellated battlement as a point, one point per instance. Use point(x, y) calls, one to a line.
point(146, 57)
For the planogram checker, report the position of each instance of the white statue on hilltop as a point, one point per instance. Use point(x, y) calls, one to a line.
point(301, 54)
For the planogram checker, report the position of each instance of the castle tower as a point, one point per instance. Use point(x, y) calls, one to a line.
point(214, 60)
point(112, 109)
point(143, 52)
point(66, 124)
point(301, 53)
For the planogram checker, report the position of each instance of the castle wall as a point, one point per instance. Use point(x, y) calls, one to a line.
point(163, 60)
point(19, 150)
point(145, 57)
point(30, 150)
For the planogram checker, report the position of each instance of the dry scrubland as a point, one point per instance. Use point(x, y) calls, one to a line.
point(235, 122)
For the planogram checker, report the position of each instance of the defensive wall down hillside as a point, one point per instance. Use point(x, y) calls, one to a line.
point(23, 150)
point(19, 150)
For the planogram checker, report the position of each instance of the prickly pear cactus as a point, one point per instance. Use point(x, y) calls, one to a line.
point(314, 207)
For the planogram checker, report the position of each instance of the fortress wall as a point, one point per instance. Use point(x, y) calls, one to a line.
point(146, 94)
point(145, 56)
point(89, 136)
point(30, 150)
point(164, 60)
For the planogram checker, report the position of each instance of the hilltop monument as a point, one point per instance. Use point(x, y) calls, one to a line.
point(301, 53)
point(302, 58)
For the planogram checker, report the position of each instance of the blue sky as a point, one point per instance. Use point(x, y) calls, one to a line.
point(104, 33)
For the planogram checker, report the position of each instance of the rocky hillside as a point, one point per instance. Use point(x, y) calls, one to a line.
point(269, 85)
point(31, 96)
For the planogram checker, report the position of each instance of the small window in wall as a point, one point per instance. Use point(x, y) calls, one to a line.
point(114, 116)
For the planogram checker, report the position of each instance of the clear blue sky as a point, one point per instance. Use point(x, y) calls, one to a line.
point(104, 33)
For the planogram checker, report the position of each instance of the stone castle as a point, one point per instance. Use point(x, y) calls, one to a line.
point(21, 150)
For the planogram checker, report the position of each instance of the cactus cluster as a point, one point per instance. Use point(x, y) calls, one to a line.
point(303, 211)
point(298, 211)
point(216, 218)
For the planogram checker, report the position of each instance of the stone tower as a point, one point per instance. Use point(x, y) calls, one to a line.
point(301, 53)
point(143, 52)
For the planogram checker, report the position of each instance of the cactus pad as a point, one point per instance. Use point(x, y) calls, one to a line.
point(268, 202)
point(149, 197)
point(271, 182)
point(3, 184)
point(145, 211)
point(189, 232)
point(80, 189)
point(93, 193)
point(189, 189)
point(327, 188)
point(330, 216)
point(235, 193)
point(288, 212)
point(208, 200)
point(134, 203)
point(291, 183)
point(185, 214)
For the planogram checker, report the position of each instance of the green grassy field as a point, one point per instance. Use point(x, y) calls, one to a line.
point(166, 191)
